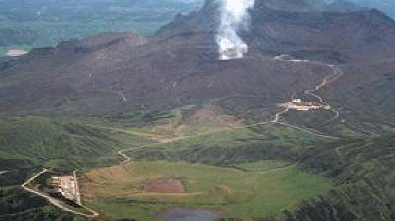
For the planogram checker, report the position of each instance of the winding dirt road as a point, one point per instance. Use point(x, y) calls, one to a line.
point(337, 72)
point(335, 75)
point(55, 201)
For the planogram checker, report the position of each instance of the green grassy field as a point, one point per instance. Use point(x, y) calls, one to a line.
point(255, 188)
point(214, 144)
point(267, 191)
point(241, 172)
point(44, 141)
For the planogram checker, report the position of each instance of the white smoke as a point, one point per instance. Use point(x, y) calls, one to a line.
point(234, 16)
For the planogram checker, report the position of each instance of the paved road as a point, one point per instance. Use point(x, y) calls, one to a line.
point(54, 201)
point(279, 114)
point(34, 177)
point(309, 132)
point(336, 74)
point(77, 188)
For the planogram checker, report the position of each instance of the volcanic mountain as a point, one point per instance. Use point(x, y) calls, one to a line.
point(315, 91)
point(118, 73)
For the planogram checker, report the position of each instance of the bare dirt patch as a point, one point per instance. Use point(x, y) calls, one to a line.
point(164, 185)
point(210, 115)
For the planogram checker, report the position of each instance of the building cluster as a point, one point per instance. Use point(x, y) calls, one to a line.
point(67, 186)
point(297, 104)
point(283, 57)
point(16, 52)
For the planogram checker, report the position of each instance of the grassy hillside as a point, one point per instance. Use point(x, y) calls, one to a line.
point(209, 155)
point(198, 148)
point(215, 140)
point(30, 142)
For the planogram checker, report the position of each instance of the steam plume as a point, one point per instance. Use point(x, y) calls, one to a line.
point(234, 16)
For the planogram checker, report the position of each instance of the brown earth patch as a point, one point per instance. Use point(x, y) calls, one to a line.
point(136, 40)
point(164, 185)
point(212, 116)
point(114, 173)
point(220, 189)
point(103, 39)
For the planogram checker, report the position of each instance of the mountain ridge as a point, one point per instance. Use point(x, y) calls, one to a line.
point(121, 71)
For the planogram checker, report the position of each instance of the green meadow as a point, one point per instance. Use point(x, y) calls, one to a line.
point(267, 191)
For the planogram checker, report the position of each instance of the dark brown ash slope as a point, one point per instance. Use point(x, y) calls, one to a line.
point(331, 35)
point(155, 76)
point(120, 72)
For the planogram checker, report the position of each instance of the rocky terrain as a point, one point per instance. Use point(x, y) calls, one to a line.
point(180, 65)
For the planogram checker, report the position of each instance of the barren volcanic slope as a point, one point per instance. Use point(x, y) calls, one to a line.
point(74, 106)
point(102, 77)
point(179, 66)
